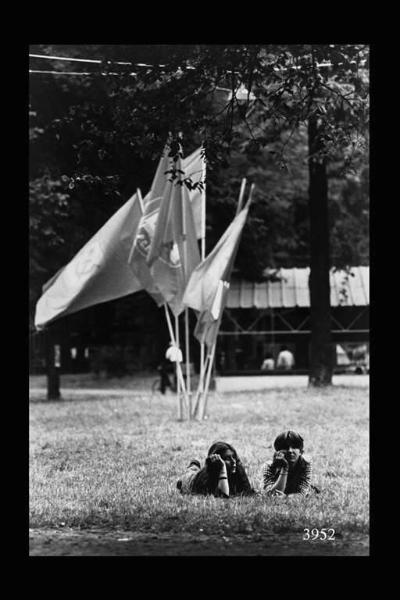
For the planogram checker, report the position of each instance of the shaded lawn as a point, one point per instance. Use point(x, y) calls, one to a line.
point(139, 381)
point(114, 462)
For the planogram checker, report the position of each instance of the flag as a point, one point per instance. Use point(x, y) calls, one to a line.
point(174, 252)
point(203, 283)
point(194, 167)
point(208, 285)
point(152, 201)
point(208, 322)
point(137, 259)
point(98, 273)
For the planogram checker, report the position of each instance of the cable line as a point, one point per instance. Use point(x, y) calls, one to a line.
point(92, 60)
point(75, 72)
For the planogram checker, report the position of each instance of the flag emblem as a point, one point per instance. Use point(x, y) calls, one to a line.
point(146, 227)
point(170, 255)
point(89, 261)
point(76, 275)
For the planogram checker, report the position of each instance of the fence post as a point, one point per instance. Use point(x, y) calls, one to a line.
point(53, 363)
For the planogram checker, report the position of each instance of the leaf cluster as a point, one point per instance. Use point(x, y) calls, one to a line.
point(95, 139)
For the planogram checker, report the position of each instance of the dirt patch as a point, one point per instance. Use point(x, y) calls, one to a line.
point(95, 542)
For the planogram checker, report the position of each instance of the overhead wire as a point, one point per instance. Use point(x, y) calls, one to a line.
point(142, 65)
point(75, 72)
point(92, 61)
point(89, 60)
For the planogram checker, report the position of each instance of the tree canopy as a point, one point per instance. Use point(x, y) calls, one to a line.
point(96, 138)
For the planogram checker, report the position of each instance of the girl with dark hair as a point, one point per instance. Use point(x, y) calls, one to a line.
point(289, 472)
point(222, 475)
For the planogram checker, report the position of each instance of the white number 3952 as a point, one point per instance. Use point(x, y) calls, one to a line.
point(319, 534)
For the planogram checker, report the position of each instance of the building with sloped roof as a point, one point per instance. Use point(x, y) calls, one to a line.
point(260, 317)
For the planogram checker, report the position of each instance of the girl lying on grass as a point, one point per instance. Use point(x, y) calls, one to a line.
point(222, 475)
point(289, 472)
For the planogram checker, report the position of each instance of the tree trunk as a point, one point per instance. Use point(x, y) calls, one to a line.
point(321, 349)
point(53, 371)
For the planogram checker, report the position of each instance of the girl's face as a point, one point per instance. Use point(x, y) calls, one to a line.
point(292, 455)
point(229, 458)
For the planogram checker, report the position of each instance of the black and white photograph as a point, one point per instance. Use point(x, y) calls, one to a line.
point(199, 342)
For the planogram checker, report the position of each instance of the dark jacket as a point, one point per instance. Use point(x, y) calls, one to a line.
point(206, 480)
point(298, 481)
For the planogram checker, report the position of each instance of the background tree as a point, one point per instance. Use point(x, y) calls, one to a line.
point(303, 141)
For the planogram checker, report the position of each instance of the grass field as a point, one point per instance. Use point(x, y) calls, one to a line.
point(113, 462)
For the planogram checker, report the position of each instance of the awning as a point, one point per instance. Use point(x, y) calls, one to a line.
point(290, 289)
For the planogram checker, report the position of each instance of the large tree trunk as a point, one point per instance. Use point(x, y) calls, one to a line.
point(321, 349)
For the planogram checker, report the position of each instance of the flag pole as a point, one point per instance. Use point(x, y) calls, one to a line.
point(187, 348)
point(201, 375)
point(204, 395)
point(203, 254)
point(241, 194)
point(178, 381)
point(178, 367)
point(203, 212)
point(187, 352)
point(139, 195)
point(172, 338)
point(200, 388)
point(210, 367)
point(250, 198)
point(186, 317)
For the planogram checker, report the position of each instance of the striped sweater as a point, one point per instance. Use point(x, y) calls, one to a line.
point(298, 481)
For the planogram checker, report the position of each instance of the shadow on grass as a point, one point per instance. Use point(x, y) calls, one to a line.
point(87, 398)
point(129, 543)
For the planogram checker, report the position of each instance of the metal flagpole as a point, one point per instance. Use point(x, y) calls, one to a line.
point(187, 352)
point(241, 194)
point(212, 354)
point(178, 382)
point(210, 366)
point(187, 349)
point(186, 317)
point(200, 388)
point(172, 337)
point(203, 254)
point(140, 198)
point(178, 367)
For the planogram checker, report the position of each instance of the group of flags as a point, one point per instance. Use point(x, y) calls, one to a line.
point(151, 243)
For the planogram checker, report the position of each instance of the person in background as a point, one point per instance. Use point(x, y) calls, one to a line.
point(289, 472)
point(164, 369)
point(285, 359)
point(222, 475)
point(268, 363)
point(173, 355)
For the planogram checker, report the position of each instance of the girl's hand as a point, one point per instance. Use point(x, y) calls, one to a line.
point(279, 494)
point(280, 460)
point(217, 460)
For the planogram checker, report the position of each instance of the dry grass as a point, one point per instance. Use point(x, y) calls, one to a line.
point(114, 462)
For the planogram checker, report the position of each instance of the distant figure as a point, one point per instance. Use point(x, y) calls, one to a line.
point(165, 369)
point(268, 363)
point(285, 359)
point(222, 475)
point(173, 355)
point(289, 472)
